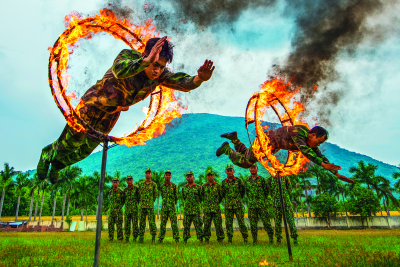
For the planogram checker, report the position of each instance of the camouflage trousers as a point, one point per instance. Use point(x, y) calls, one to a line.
point(187, 222)
point(217, 218)
point(131, 218)
point(229, 214)
point(254, 215)
point(174, 224)
point(115, 218)
point(152, 222)
point(290, 221)
point(72, 147)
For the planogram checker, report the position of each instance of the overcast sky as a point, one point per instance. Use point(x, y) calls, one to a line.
point(365, 120)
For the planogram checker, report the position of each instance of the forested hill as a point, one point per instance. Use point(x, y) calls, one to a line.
point(190, 143)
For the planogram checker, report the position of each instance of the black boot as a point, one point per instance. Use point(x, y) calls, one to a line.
point(153, 239)
point(231, 136)
point(223, 149)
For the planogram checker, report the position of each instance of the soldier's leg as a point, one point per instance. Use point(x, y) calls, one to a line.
point(187, 221)
point(218, 226)
point(135, 228)
point(253, 217)
point(291, 222)
point(174, 225)
point(229, 223)
point(142, 224)
point(266, 219)
point(152, 224)
point(120, 220)
point(111, 222)
point(163, 225)
point(198, 225)
point(278, 223)
point(242, 226)
point(127, 225)
point(207, 226)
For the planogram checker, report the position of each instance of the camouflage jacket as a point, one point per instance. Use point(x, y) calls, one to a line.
point(212, 197)
point(294, 138)
point(273, 184)
point(117, 199)
point(131, 199)
point(148, 194)
point(125, 83)
point(233, 192)
point(257, 192)
point(169, 196)
point(192, 199)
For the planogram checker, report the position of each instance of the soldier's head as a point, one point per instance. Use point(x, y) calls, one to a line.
point(253, 169)
point(115, 182)
point(189, 177)
point(148, 174)
point(317, 136)
point(229, 170)
point(167, 176)
point(210, 176)
point(154, 70)
point(129, 180)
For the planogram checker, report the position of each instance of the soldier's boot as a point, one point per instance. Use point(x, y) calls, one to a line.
point(43, 165)
point(231, 136)
point(295, 241)
point(127, 240)
point(254, 240)
point(230, 240)
point(153, 239)
point(207, 241)
point(185, 241)
point(201, 240)
point(176, 240)
point(141, 239)
point(271, 239)
point(223, 149)
point(160, 240)
point(134, 239)
point(278, 241)
point(245, 240)
point(54, 173)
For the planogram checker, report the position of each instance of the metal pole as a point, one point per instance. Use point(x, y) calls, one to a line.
point(284, 218)
point(100, 205)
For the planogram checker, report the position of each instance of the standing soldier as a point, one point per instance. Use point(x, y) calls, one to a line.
point(169, 199)
point(212, 197)
point(148, 194)
point(131, 193)
point(191, 194)
point(286, 189)
point(257, 194)
point(115, 217)
point(233, 190)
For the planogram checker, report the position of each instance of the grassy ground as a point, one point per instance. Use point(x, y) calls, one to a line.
point(317, 248)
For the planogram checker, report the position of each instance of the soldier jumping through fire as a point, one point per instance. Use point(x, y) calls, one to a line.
point(132, 78)
point(292, 138)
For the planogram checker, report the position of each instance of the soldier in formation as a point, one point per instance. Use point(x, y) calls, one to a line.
point(131, 194)
point(117, 198)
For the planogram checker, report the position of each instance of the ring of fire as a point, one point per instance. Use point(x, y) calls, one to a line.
point(163, 104)
point(272, 94)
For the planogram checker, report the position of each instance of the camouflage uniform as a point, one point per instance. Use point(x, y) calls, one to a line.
point(122, 86)
point(257, 195)
point(192, 201)
point(212, 197)
point(169, 199)
point(234, 191)
point(115, 215)
point(293, 138)
point(286, 189)
point(148, 194)
point(131, 211)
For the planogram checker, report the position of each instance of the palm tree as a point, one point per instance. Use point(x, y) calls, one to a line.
point(33, 183)
point(6, 181)
point(305, 185)
point(67, 176)
point(386, 191)
point(43, 186)
point(21, 183)
point(396, 175)
point(318, 172)
point(83, 187)
point(54, 190)
point(95, 181)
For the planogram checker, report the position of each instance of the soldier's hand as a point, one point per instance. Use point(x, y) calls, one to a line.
point(344, 178)
point(205, 72)
point(155, 51)
point(330, 166)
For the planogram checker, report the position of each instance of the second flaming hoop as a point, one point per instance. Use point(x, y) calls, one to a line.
point(273, 94)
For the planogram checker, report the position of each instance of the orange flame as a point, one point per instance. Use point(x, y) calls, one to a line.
point(273, 94)
point(164, 106)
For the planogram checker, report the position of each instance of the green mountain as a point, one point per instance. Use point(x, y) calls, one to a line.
point(190, 142)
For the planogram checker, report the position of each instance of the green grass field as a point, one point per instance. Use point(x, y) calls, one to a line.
point(317, 248)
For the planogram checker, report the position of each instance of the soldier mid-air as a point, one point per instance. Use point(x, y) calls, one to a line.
point(233, 191)
point(273, 184)
point(191, 194)
point(131, 194)
point(117, 199)
point(169, 199)
point(257, 196)
point(212, 197)
point(293, 138)
point(148, 194)
point(132, 78)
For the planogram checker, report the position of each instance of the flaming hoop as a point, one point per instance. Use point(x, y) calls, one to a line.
point(163, 104)
point(272, 95)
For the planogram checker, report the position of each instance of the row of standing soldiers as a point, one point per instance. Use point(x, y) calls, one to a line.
point(211, 194)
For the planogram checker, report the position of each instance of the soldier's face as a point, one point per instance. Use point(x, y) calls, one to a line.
point(230, 172)
point(129, 181)
point(314, 141)
point(115, 184)
point(190, 178)
point(210, 178)
point(253, 170)
point(147, 175)
point(167, 177)
point(154, 70)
